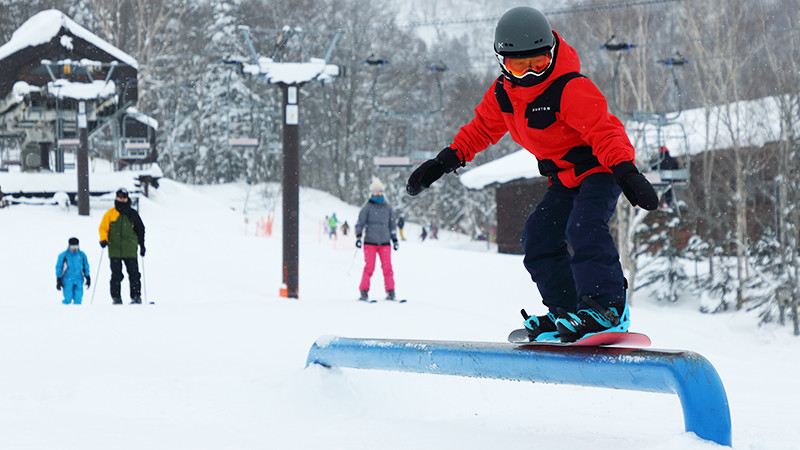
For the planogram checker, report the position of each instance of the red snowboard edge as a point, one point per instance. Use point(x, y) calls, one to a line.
point(614, 338)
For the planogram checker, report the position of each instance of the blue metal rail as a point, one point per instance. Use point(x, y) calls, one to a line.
point(687, 374)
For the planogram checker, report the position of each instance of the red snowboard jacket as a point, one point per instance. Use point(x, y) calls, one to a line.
point(567, 127)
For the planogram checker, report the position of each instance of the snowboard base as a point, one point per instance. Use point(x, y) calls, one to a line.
point(628, 339)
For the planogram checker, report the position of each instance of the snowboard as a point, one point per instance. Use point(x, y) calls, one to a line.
point(372, 300)
point(628, 339)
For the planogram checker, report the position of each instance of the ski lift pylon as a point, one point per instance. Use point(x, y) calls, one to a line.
point(408, 116)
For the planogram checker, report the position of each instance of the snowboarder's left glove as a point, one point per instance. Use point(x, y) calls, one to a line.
point(59, 284)
point(635, 186)
point(431, 170)
point(88, 281)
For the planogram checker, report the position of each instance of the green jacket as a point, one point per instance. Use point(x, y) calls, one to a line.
point(124, 232)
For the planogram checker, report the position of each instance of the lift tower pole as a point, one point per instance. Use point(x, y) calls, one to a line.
point(290, 76)
point(291, 187)
point(82, 165)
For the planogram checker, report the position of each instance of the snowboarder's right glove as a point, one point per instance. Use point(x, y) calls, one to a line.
point(358, 241)
point(431, 170)
point(635, 186)
point(88, 281)
point(103, 243)
point(59, 284)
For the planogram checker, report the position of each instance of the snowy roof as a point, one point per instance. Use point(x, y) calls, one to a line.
point(46, 25)
point(293, 72)
point(514, 166)
point(81, 91)
point(109, 181)
point(142, 117)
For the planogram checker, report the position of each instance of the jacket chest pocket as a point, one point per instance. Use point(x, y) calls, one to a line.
point(540, 115)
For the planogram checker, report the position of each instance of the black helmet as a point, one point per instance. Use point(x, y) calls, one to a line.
point(73, 241)
point(523, 32)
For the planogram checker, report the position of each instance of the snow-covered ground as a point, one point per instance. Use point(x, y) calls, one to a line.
point(219, 360)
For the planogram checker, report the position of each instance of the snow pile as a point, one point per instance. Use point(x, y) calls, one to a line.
point(293, 72)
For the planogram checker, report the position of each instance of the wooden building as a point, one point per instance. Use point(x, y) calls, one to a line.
point(49, 66)
point(518, 189)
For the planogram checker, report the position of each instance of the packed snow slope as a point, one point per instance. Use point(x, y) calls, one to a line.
point(218, 361)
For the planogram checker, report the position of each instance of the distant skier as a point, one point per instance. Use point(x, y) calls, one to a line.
point(562, 118)
point(345, 228)
point(376, 223)
point(122, 231)
point(72, 269)
point(333, 223)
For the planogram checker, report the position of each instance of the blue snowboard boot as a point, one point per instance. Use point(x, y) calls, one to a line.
point(593, 320)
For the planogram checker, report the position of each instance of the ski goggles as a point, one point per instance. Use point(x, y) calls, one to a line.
point(74, 247)
point(519, 67)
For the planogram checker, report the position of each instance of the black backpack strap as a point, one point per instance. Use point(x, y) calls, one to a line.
point(502, 96)
point(553, 92)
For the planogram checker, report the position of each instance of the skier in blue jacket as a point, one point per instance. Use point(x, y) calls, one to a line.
point(72, 268)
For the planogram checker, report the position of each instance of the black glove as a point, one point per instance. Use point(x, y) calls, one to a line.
point(635, 186)
point(431, 170)
point(141, 249)
point(358, 241)
point(59, 284)
point(88, 281)
point(395, 244)
point(103, 243)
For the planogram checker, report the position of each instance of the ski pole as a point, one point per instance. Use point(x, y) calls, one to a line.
point(144, 283)
point(102, 251)
point(352, 261)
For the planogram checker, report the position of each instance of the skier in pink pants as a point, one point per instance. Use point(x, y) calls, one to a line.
point(376, 224)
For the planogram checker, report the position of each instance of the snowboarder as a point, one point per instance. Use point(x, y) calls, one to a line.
point(376, 223)
point(122, 231)
point(72, 269)
point(562, 118)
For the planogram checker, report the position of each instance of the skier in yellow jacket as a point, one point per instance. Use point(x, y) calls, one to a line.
point(122, 231)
